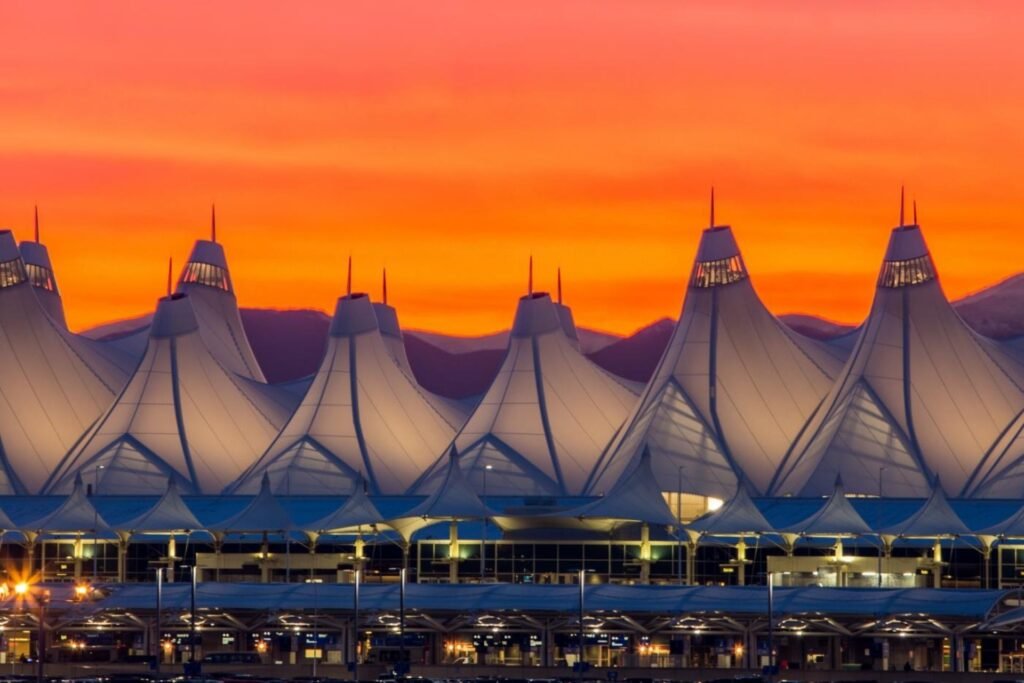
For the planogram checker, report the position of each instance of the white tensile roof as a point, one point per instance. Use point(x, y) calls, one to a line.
point(168, 515)
point(263, 514)
point(739, 516)
point(637, 497)
point(207, 280)
point(358, 511)
point(361, 417)
point(732, 390)
point(920, 396)
point(181, 415)
point(43, 279)
point(53, 384)
point(75, 515)
point(545, 418)
point(837, 517)
point(934, 519)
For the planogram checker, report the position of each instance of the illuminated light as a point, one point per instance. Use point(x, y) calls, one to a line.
point(737, 649)
point(261, 646)
point(82, 591)
point(21, 588)
point(714, 504)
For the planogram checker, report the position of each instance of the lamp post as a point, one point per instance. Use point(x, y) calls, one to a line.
point(881, 548)
point(403, 666)
point(192, 623)
point(159, 617)
point(582, 657)
point(95, 521)
point(355, 626)
point(23, 590)
point(679, 518)
point(483, 536)
point(771, 627)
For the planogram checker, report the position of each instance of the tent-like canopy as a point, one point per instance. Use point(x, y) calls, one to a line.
point(168, 515)
point(357, 511)
point(207, 280)
point(837, 517)
point(739, 516)
point(935, 519)
point(732, 390)
point(544, 420)
point(264, 514)
point(40, 273)
point(361, 417)
point(76, 515)
point(921, 395)
point(182, 415)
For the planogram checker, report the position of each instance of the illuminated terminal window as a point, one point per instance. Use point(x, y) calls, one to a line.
point(12, 273)
point(41, 277)
point(907, 273)
point(721, 272)
point(689, 506)
point(207, 274)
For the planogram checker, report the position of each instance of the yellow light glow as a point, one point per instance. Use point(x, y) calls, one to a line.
point(714, 504)
point(21, 588)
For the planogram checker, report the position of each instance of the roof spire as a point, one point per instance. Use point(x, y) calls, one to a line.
point(915, 212)
point(901, 206)
point(384, 286)
point(559, 284)
point(348, 281)
point(170, 268)
point(213, 222)
point(37, 223)
point(529, 282)
point(712, 207)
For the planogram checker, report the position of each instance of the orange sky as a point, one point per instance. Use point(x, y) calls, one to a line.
point(449, 140)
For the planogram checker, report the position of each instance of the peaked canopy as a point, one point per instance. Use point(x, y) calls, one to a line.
point(207, 280)
point(263, 514)
point(182, 415)
point(1011, 527)
point(935, 519)
point(836, 517)
point(168, 515)
point(732, 390)
point(921, 394)
point(453, 501)
point(361, 414)
point(545, 418)
point(40, 273)
point(636, 497)
point(53, 384)
point(358, 511)
point(76, 515)
point(739, 516)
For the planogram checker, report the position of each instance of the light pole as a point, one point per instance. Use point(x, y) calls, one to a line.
point(316, 634)
point(483, 536)
point(403, 666)
point(192, 624)
point(355, 626)
point(881, 547)
point(23, 590)
point(582, 657)
point(771, 627)
point(95, 521)
point(159, 616)
point(679, 518)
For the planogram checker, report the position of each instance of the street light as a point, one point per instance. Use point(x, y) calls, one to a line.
point(403, 666)
point(679, 520)
point(483, 536)
point(95, 521)
point(355, 626)
point(24, 590)
point(881, 471)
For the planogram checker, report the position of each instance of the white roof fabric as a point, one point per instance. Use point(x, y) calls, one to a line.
point(1011, 527)
point(921, 395)
point(53, 384)
point(168, 515)
point(545, 418)
point(934, 519)
point(361, 416)
point(454, 500)
point(837, 517)
point(75, 515)
point(739, 516)
point(182, 415)
point(637, 496)
point(263, 514)
point(358, 511)
point(216, 309)
point(732, 390)
point(44, 280)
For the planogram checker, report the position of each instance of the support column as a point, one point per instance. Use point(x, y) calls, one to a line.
point(453, 552)
point(78, 551)
point(122, 558)
point(840, 567)
point(172, 555)
point(741, 562)
point(265, 559)
point(691, 563)
point(645, 554)
point(937, 557)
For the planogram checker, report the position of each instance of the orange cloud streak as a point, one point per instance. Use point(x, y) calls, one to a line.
point(450, 140)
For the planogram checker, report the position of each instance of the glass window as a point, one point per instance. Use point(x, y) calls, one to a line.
point(906, 273)
point(41, 277)
point(206, 274)
point(720, 272)
point(12, 273)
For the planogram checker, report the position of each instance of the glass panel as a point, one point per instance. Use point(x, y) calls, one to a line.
point(206, 274)
point(41, 277)
point(906, 273)
point(12, 273)
point(720, 272)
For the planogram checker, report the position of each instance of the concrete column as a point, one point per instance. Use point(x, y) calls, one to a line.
point(172, 552)
point(265, 560)
point(78, 551)
point(741, 562)
point(645, 553)
point(122, 559)
point(691, 563)
point(453, 552)
point(937, 557)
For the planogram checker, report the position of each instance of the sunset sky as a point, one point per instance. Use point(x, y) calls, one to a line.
point(449, 141)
